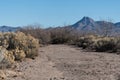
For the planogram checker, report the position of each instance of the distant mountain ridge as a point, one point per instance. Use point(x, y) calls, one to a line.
point(85, 24)
point(88, 24)
point(8, 29)
point(117, 24)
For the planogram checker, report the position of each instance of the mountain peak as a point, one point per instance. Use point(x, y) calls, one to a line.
point(86, 20)
point(86, 17)
point(85, 23)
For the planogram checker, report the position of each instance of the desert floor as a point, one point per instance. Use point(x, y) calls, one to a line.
point(63, 62)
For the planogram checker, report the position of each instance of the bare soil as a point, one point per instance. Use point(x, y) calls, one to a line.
point(63, 62)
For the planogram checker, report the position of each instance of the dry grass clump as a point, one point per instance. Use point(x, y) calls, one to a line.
point(17, 46)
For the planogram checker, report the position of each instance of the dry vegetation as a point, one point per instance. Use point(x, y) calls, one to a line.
point(17, 46)
point(25, 43)
point(59, 35)
point(67, 35)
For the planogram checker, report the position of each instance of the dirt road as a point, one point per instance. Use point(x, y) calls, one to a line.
point(62, 62)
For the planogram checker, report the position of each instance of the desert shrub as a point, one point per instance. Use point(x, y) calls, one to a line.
point(59, 40)
point(105, 44)
point(16, 46)
point(19, 54)
point(20, 45)
point(43, 35)
point(7, 58)
point(85, 42)
point(31, 53)
point(67, 35)
point(99, 44)
point(63, 35)
point(26, 43)
point(58, 35)
point(117, 47)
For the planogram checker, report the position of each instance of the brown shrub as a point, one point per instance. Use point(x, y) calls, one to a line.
point(42, 35)
point(63, 35)
point(58, 35)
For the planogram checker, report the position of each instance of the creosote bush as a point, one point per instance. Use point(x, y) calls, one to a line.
point(17, 46)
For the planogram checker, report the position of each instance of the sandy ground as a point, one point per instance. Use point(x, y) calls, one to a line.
point(62, 62)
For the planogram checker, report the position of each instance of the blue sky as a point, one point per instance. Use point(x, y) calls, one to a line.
point(56, 12)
